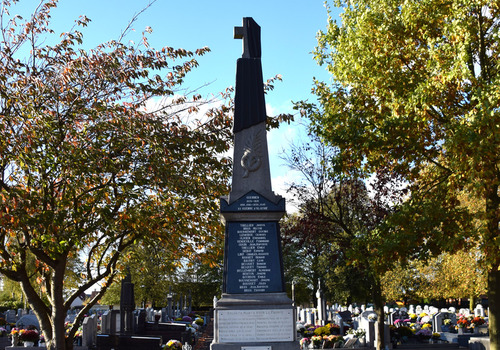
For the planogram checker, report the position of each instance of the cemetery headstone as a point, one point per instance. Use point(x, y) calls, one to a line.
point(89, 331)
point(411, 310)
point(70, 316)
point(10, 316)
point(105, 323)
point(170, 312)
point(302, 315)
point(453, 316)
point(403, 314)
point(438, 321)
point(127, 306)
point(151, 314)
point(109, 320)
point(298, 311)
point(345, 319)
point(337, 319)
point(254, 310)
point(321, 306)
point(346, 315)
point(27, 320)
point(418, 310)
point(329, 313)
point(367, 323)
point(479, 311)
point(140, 321)
point(393, 316)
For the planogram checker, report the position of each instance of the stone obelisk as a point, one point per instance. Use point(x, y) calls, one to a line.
point(254, 312)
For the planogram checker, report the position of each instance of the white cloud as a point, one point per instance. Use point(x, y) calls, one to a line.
point(280, 186)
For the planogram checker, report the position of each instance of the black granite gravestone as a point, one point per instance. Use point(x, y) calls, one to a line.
point(127, 306)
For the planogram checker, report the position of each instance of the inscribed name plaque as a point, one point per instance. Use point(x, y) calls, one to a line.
point(253, 261)
point(259, 326)
point(252, 202)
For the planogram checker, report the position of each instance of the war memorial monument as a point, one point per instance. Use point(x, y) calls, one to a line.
point(254, 312)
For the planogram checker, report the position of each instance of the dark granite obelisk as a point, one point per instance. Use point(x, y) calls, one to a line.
point(254, 312)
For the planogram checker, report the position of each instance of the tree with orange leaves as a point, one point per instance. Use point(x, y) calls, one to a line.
point(89, 166)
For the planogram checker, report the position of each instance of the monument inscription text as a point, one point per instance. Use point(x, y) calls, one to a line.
point(253, 260)
point(266, 325)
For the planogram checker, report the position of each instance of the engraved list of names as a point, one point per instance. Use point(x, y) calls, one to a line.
point(253, 261)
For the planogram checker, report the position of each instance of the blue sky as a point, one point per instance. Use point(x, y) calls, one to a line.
point(288, 35)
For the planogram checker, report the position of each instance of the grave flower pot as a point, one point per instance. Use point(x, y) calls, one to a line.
point(460, 330)
point(15, 340)
point(28, 344)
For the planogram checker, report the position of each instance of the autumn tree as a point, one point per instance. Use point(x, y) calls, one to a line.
point(450, 275)
point(338, 223)
point(99, 149)
point(415, 90)
point(403, 282)
point(456, 275)
point(309, 235)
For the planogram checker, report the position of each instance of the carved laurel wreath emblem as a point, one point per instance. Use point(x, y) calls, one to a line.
point(252, 153)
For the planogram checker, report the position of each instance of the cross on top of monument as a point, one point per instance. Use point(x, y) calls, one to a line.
point(250, 33)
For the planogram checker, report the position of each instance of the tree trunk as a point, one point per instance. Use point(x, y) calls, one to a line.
point(58, 310)
point(471, 302)
point(494, 307)
point(379, 310)
point(492, 254)
point(58, 329)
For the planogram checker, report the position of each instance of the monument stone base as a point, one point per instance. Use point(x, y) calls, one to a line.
point(260, 321)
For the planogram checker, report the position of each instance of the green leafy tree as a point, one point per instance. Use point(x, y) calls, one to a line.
point(415, 91)
point(404, 282)
point(88, 168)
point(337, 229)
point(456, 275)
point(11, 296)
point(297, 263)
point(155, 277)
point(150, 266)
point(200, 282)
